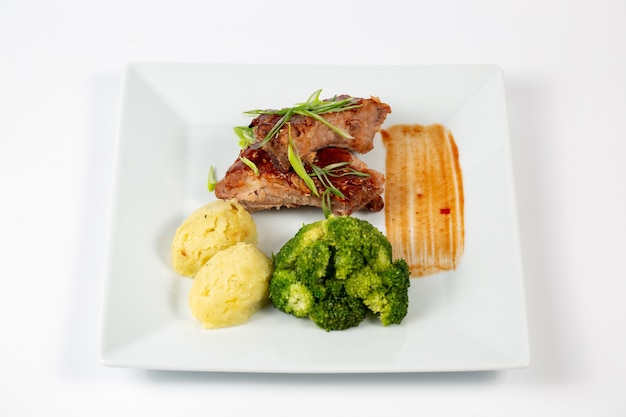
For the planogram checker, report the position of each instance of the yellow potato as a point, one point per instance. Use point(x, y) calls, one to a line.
point(208, 230)
point(231, 286)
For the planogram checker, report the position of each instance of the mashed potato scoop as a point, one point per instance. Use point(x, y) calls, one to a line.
point(211, 228)
point(231, 286)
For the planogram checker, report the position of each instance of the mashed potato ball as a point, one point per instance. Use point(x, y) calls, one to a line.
point(231, 286)
point(208, 230)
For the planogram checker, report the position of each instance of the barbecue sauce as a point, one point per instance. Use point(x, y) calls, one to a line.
point(424, 202)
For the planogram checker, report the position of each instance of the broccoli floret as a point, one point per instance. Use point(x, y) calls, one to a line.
point(336, 270)
point(338, 312)
point(390, 301)
point(291, 295)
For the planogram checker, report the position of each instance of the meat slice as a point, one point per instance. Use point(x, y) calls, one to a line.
point(273, 188)
point(309, 135)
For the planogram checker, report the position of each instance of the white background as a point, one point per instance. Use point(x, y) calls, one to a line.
point(60, 72)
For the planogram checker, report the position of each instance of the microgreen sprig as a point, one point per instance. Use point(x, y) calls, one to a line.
point(314, 108)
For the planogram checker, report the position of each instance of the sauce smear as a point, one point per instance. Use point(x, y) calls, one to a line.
point(424, 197)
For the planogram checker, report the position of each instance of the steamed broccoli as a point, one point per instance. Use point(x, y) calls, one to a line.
point(335, 271)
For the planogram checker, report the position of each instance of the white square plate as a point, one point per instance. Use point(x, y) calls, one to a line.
point(177, 121)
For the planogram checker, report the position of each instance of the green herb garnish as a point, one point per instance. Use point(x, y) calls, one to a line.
point(327, 207)
point(250, 164)
point(313, 108)
point(331, 170)
point(212, 182)
point(322, 174)
point(245, 135)
point(297, 164)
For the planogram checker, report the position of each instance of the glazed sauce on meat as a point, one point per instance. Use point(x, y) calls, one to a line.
point(327, 156)
point(276, 188)
point(258, 157)
point(357, 188)
point(424, 215)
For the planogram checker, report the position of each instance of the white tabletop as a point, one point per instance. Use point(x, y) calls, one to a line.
point(61, 65)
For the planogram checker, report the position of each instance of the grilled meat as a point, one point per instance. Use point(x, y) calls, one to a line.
point(309, 135)
point(275, 188)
